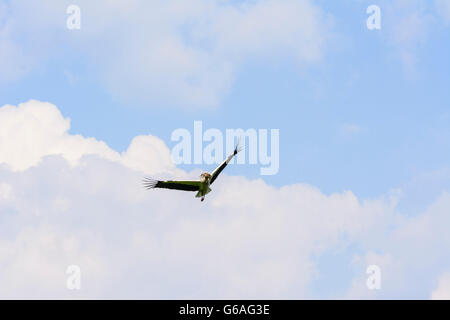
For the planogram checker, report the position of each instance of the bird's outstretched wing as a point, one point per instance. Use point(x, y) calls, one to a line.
point(169, 184)
point(222, 166)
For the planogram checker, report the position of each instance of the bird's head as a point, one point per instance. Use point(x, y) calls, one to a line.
point(205, 177)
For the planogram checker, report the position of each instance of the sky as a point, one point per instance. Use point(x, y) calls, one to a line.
point(364, 149)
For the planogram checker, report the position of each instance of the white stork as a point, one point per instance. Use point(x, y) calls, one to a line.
point(201, 186)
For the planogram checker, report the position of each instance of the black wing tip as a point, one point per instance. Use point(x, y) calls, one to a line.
point(238, 147)
point(149, 183)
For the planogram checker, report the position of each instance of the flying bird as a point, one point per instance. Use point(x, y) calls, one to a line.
point(201, 186)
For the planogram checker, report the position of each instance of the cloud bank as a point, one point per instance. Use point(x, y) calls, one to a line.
point(70, 200)
point(185, 54)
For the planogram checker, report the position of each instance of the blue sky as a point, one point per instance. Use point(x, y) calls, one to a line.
point(360, 82)
point(359, 110)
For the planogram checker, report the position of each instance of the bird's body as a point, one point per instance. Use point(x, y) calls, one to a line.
point(204, 189)
point(201, 186)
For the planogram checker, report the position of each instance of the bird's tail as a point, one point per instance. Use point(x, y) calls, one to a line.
point(201, 194)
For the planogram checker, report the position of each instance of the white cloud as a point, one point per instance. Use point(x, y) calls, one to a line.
point(68, 200)
point(86, 206)
point(414, 251)
point(442, 292)
point(172, 51)
point(35, 129)
point(5, 191)
point(148, 154)
point(358, 287)
point(246, 240)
